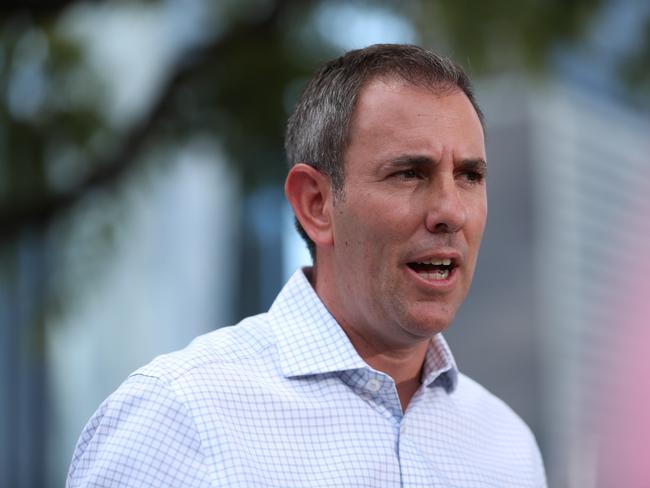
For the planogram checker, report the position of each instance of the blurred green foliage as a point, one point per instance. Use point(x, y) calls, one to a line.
point(636, 68)
point(502, 34)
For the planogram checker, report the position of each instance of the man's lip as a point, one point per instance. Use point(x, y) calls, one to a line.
point(455, 257)
point(437, 286)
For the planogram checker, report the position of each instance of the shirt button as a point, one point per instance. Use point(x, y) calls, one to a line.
point(373, 385)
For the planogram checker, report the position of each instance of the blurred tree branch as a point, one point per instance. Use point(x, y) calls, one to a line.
point(43, 8)
point(40, 212)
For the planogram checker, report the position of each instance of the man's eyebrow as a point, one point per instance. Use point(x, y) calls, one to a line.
point(478, 164)
point(410, 160)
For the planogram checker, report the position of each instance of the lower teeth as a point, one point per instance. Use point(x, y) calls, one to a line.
point(436, 275)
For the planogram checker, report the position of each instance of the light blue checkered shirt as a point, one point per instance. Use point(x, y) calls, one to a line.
point(284, 400)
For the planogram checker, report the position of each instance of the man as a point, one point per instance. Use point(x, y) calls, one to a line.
point(346, 381)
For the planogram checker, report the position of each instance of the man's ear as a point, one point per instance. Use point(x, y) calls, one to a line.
point(310, 194)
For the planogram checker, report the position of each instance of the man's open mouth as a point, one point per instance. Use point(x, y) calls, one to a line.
point(433, 269)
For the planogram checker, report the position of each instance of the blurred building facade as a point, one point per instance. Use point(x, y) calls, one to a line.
point(591, 166)
point(173, 277)
point(567, 190)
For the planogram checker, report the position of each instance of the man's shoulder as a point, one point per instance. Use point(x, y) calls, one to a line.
point(479, 403)
point(247, 342)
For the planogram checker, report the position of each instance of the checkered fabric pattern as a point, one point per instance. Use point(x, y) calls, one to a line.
point(284, 400)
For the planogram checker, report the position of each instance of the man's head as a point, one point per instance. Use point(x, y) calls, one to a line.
point(318, 130)
point(396, 208)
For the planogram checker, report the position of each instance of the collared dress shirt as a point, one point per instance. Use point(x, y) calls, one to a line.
point(284, 400)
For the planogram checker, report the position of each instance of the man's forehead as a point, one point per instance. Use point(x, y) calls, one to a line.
point(384, 101)
point(396, 83)
point(397, 118)
point(377, 94)
point(401, 86)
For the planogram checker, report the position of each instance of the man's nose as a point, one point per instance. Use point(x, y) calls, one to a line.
point(446, 212)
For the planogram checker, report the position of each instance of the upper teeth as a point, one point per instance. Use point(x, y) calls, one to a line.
point(438, 262)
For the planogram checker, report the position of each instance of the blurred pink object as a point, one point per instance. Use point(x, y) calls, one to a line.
point(624, 451)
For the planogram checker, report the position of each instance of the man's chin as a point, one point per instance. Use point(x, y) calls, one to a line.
point(425, 324)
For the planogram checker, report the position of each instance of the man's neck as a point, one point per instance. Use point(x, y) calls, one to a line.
point(403, 365)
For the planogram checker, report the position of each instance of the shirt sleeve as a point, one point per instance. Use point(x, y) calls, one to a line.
point(539, 464)
point(142, 435)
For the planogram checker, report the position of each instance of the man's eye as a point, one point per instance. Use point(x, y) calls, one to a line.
point(473, 176)
point(407, 174)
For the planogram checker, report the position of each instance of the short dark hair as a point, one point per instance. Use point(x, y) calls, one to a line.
point(318, 130)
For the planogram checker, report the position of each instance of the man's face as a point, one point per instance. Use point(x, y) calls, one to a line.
point(407, 231)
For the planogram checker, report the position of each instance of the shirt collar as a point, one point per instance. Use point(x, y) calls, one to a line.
point(310, 341)
point(440, 365)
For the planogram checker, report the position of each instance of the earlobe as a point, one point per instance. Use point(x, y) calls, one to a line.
point(309, 193)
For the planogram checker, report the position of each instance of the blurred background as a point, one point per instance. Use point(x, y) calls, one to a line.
point(141, 203)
